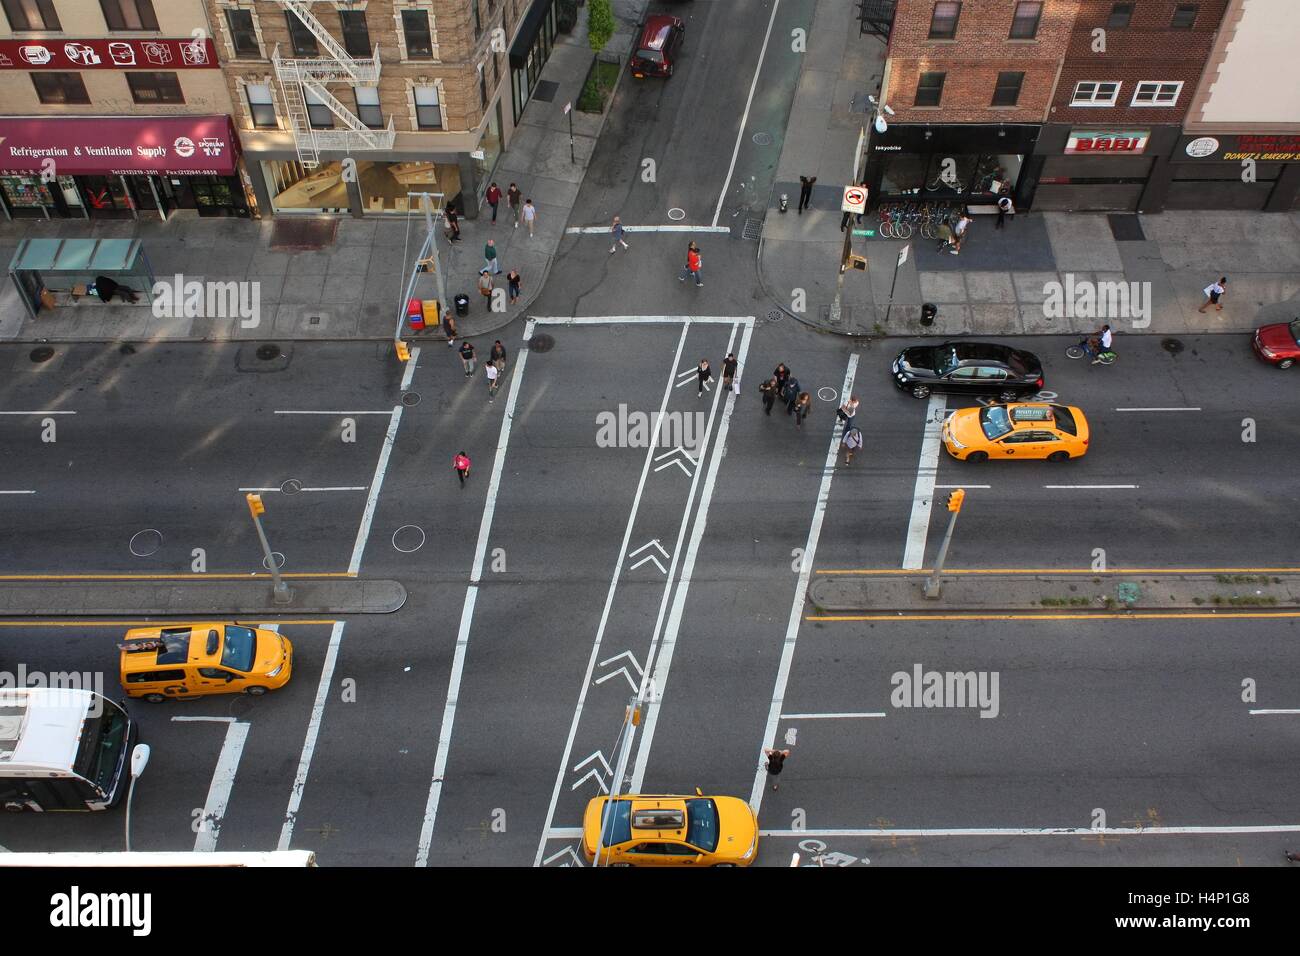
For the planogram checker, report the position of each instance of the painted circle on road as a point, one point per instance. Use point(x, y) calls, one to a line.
point(762, 139)
point(146, 542)
point(676, 215)
point(411, 399)
point(291, 486)
point(1045, 396)
point(407, 533)
point(827, 394)
point(277, 557)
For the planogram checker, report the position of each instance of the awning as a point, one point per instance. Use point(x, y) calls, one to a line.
point(532, 25)
point(168, 145)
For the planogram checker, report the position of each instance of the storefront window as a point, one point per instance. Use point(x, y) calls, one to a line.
point(903, 175)
point(105, 195)
point(294, 188)
point(385, 187)
point(960, 176)
point(25, 192)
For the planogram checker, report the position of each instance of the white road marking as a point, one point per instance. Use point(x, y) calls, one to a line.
point(686, 376)
point(1034, 831)
point(372, 500)
point(604, 230)
point(1275, 712)
point(563, 833)
point(800, 593)
point(939, 487)
point(385, 412)
point(667, 643)
point(609, 597)
point(1089, 486)
point(409, 373)
point(637, 319)
point(347, 488)
point(223, 778)
point(648, 559)
point(313, 734)
point(927, 469)
point(17, 492)
point(828, 716)
point(38, 413)
point(744, 119)
point(1196, 409)
point(467, 612)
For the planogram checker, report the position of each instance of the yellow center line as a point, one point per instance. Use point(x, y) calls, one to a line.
point(947, 571)
point(959, 616)
point(155, 623)
point(260, 575)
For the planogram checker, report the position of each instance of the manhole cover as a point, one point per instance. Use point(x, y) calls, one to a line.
point(277, 557)
point(676, 214)
point(268, 352)
point(541, 343)
point(291, 487)
point(775, 315)
point(753, 229)
point(146, 542)
point(763, 139)
point(1172, 346)
point(42, 354)
point(411, 398)
point(408, 539)
point(127, 349)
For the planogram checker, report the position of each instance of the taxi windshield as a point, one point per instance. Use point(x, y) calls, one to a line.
point(240, 644)
point(995, 421)
point(702, 824)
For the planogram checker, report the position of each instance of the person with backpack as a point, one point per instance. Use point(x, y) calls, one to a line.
point(802, 408)
point(852, 442)
point(769, 390)
point(790, 394)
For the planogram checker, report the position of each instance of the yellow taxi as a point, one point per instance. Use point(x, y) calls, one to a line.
point(1016, 430)
point(192, 660)
point(652, 830)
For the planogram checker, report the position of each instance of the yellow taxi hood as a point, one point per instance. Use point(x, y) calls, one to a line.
point(964, 426)
point(737, 825)
point(270, 651)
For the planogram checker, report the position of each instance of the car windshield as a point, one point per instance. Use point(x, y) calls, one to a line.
point(947, 361)
point(102, 737)
point(1065, 420)
point(615, 822)
point(651, 56)
point(238, 651)
point(995, 421)
point(1295, 330)
point(702, 824)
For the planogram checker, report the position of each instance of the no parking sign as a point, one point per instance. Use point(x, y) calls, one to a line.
point(855, 199)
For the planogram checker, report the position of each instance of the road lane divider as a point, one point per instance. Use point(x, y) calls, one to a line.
point(927, 471)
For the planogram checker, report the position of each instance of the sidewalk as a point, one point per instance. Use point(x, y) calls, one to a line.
point(997, 285)
point(352, 287)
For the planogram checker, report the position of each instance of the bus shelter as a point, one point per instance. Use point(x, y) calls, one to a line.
point(48, 271)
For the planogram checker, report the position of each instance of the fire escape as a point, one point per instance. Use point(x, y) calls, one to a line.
point(298, 77)
point(876, 18)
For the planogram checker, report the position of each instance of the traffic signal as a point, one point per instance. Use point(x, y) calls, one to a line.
point(255, 505)
point(956, 498)
point(403, 353)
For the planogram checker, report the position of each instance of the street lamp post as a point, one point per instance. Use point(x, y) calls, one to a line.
point(139, 759)
point(281, 591)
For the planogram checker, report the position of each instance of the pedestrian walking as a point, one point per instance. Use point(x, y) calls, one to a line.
point(467, 358)
point(775, 763)
point(493, 378)
point(498, 355)
point(514, 197)
point(449, 321)
point(485, 288)
point(1293, 856)
point(616, 231)
point(945, 235)
point(693, 264)
point(1005, 208)
point(530, 215)
point(846, 412)
point(729, 365)
point(802, 408)
point(512, 283)
point(461, 464)
point(705, 373)
point(769, 390)
point(959, 233)
point(493, 197)
point(805, 192)
point(790, 394)
point(781, 373)
point(490, 261)
point(453, 223)
point(852, 442)
point(1213, 293)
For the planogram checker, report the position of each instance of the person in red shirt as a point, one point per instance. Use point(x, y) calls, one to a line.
point(693, 263)
point(493, 197)
point(461, 464)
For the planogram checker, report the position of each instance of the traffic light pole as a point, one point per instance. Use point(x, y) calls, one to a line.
point(280, 591)
point(933, 585)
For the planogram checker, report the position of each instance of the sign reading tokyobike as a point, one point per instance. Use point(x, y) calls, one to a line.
point(117, 54)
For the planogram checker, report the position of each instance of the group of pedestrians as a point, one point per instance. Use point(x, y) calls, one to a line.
point(495, 367)
point(782, 386)
point(521, 210)
point(694, 262)
point(704, 372)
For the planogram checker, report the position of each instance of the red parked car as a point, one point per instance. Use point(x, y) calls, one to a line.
point(661, 38)
point(1278, 344)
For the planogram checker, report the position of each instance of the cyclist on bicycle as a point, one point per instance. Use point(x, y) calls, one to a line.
point(1095, 345)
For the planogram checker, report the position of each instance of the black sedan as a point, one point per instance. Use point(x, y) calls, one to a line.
point(968, 368)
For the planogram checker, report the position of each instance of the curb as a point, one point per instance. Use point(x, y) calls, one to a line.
point(1048, 612)
point(63, 599)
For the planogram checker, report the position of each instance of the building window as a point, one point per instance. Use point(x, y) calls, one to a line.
point(155, 87)
point(943, 23)
point(60, 88)
point(929, 89)
point(356, 35)
point(31, 15)
point(1155, 93)
point(242, 33)
point(1120, 15)
point(419, 41)
point(260, 105)
point(482, 85)
point(1007, 91)
point(1024, 22)
point(129, 14)
point(302, 39)
point(428, 114)
point(368, 110)
point(478, 20)
point(1184, 17)
point(1094, 93)
point(319, 115)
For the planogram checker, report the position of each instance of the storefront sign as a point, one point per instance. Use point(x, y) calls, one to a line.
point(125, 54)
point(1268, 148)
point(1107, 142)
point(171, 145)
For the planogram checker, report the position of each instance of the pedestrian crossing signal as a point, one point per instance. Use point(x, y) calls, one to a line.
point(403, 353)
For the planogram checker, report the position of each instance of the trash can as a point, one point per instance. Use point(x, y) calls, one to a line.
point(928, 311)
point(462, 304)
